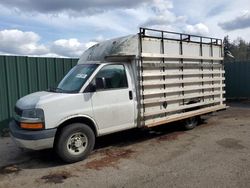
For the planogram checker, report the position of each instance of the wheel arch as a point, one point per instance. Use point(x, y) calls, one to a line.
point(77, 119)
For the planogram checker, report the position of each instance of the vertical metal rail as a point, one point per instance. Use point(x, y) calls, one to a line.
point(163, 69)
point(202, 69)
point(182, 68)
point(212, 61)
point(141, 86)
point(221, 74)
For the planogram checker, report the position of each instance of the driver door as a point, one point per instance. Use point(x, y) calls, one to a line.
point(113, 101)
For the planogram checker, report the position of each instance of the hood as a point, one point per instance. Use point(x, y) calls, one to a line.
point(31, 101)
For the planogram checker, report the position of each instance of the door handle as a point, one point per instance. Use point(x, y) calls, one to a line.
point(130, 95)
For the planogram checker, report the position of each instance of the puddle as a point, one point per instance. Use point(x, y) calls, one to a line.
point(56, 177)
point(230, 143)
point(9, 169)
point(110, 158)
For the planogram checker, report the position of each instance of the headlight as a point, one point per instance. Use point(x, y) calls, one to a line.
point(36, 113)
point(32, 119)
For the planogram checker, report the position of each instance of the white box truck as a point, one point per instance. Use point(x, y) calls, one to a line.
point(143, 80)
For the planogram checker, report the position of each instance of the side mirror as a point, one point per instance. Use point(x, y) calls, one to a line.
point(100, 83)
point(90, 88)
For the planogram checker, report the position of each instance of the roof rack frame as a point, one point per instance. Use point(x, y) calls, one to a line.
point(182, 36)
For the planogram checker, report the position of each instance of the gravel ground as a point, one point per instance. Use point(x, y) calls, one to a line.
point(215, 154)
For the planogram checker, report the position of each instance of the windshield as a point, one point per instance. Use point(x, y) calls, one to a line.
point(75, 78)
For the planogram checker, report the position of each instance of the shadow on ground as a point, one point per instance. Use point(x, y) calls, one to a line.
point(48, 158)
point(240, 103)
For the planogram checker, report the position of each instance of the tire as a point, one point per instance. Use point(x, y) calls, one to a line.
point(74, 142)
point(191, 123)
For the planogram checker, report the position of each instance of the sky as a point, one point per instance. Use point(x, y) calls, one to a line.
point(63, 28)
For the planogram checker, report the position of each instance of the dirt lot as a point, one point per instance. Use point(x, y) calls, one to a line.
point(215, 154)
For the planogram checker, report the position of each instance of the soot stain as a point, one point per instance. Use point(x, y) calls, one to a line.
point(230, 143)
point(110, 158)
point(57, 177)
point(169, 137)
point(10, 169)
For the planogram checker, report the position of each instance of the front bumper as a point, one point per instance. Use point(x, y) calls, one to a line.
point(29, 139)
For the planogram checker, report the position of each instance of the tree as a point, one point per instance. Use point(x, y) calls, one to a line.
point(239, 48)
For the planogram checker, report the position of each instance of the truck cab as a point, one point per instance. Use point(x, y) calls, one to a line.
point(98, 96)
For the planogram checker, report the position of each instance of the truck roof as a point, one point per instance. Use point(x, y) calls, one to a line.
point(122, 46)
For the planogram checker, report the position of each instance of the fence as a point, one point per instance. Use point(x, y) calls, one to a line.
point(21, 75)
point(237, 80)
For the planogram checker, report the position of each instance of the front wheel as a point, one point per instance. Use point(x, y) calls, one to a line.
point(75, 142)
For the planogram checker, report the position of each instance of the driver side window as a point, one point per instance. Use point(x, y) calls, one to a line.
point(111, 77)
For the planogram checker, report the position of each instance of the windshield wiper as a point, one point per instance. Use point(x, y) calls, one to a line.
point(52, 89)
point(56, 89)
point(60, 90)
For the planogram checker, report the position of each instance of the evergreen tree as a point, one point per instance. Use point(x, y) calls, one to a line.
point(239, 48)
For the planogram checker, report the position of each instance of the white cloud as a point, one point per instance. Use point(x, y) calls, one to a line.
point(161, 15)
point(16, 42)
point(69, 47)
point(197, 29)
point(99, 38)
point(160, 6)
point(89, 44)
point(19, 42)
point(69, 28)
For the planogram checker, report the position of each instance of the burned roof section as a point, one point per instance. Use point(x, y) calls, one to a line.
point(123, 46)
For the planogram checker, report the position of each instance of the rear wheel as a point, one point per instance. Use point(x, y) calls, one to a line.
point(75, 142)
point(191, 123)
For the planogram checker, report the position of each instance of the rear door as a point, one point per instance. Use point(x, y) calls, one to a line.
point(113, 105)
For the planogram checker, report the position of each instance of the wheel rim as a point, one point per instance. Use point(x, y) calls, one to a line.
point(77, 143)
